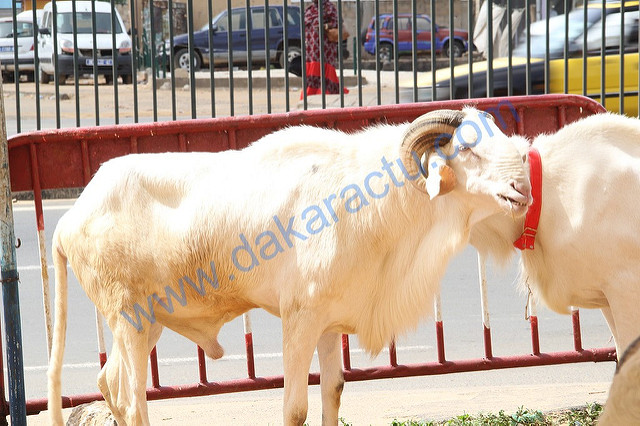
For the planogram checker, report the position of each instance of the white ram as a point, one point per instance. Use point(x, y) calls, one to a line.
point(624, 396)
point(316, 226)
point(586, 252)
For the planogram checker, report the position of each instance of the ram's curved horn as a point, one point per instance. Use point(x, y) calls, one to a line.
point(421, 137)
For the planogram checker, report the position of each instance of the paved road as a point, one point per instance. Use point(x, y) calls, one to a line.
point(461, 313)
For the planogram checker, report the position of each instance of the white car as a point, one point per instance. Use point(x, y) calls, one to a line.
point(105, 52)
point(24, 38)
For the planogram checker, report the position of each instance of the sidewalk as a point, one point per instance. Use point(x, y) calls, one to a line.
point(365, 407)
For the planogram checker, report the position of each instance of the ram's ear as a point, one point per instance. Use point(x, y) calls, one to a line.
point(441, 178)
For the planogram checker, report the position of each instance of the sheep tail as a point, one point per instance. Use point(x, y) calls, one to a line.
point(59, 334)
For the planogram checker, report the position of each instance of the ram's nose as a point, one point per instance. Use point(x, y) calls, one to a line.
point(524, 188)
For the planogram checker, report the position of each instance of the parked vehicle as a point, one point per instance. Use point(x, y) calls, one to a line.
point(24, 37)
point(105, 52)
point(28, 15)
point(179, 54)
point(574, 63)
point(405, 37)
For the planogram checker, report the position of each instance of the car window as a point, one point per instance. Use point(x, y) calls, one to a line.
point(557, 34)
point(84, 23)
point(238, 20)
point(612, 29)
point(423, 24)
point(25, 29)
point(404, 24)
point(257, 18)
point(293, 16)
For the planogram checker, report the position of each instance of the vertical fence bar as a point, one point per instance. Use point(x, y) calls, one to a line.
point(432, 51)
point(470, 49)
point(285, 52)
point(346, 356)
point(267, 53)
point(396, 64)
point(202, 366)
point(565, 54)
point(115, 53)
point(16, 67)
point(437, 313)
point(393, 357)
point(489, 49)
point(547, 77)
point(94, 54)
point(484, 302)
point(248, 340)
point(321, 35)
point(36, 62)
point(152, 40)
point(192, 68)
point(376, 27)
point(248, 30)
point(155, 376)
point(603, 62)
point(134, 58)
point(621, 70)
point(577, 336)
point(211, 64)
point(584, 51)
point(230, 58)
point(510, 50)
point(44, 271)
point(76, 74)
point(56, 82)
point(359, 52)
point(9, 278)
point(452, 86)
point(533, 322)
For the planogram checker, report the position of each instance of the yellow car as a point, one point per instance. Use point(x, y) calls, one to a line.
point(611, 62)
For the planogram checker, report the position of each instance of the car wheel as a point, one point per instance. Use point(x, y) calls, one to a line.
point(31, 77)
point(182, 60)
point(458, 49)
point(7, 77)
point(127, 79)
point(292, 52)
point(44, 77)
point(386, 53)
point(108, 79)
point(62, 78)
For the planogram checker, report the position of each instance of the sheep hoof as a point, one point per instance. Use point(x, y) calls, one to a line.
point(92, 414)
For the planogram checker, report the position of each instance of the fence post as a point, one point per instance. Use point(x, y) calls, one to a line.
point(9, 279)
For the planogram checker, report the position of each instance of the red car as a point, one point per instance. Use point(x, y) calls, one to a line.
point(423, 31)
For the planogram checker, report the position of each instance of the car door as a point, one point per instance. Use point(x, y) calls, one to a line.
point(258, 46)
point(45, 44)
point(423, 33)
point(238, 36)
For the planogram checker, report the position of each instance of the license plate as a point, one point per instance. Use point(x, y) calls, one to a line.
point(101, 62)
point(6, 48)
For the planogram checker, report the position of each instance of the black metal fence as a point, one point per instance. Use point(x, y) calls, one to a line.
point(592, 50)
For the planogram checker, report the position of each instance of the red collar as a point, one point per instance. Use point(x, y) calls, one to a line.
point(528, 237)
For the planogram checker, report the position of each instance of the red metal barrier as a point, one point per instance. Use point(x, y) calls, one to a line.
point(69, 157)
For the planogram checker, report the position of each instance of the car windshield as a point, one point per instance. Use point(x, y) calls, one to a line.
point(25, 29)
point(557, 31)
point(84, 23)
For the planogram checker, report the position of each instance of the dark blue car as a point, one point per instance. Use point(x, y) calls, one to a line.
point(243, 26)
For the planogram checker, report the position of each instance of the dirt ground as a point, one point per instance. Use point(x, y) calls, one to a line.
point(86, 101)
point(363, 406)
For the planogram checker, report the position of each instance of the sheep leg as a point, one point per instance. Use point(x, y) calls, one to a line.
point(300, 335)
point(123, 379)
point(331, 377)
point(608, 316)
point(625, 316)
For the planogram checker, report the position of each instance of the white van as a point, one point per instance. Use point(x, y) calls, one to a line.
point(84, 32)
